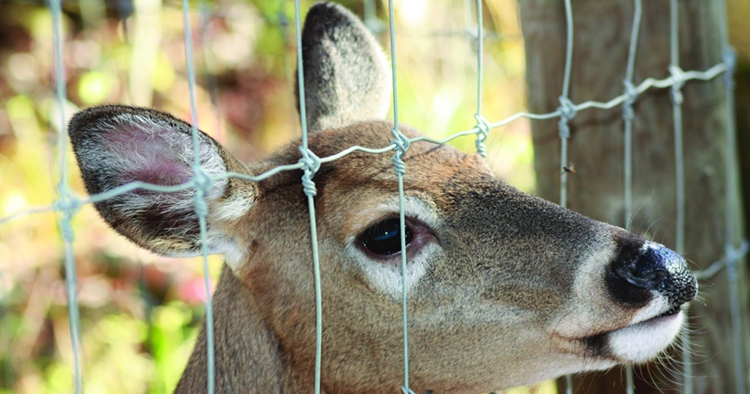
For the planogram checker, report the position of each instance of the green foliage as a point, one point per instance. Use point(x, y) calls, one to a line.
point(171, 340)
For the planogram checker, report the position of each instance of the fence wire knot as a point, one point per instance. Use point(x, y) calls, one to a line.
point(310, 166)
point(567, 113)
point(201, 206)
point(729, 56)
point(402, 145)
point(66, 229)
point(68, 204)
point(730, 260)
point(201, 179)
point(202, 183)
point(482, 129)
point(630, 95)
point(678, 76)
point(733, 255)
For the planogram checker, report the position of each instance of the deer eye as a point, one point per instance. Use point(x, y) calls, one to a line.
point(384, 238)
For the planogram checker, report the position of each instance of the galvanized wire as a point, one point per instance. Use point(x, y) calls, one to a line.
point(401, 145)
point(566, 112)
point(310, 164)
point(729, 57)
point(644, 86)
point(67, 203)
point(211, 80)
point(676, 96)
point(482, 128)
point(202, 184)
point(628, 114)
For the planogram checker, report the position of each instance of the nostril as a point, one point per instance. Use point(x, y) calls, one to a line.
point(646, 277)
point(648, 270)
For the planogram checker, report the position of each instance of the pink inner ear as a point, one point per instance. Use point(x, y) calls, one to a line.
point(160, 172)
point(147, 155)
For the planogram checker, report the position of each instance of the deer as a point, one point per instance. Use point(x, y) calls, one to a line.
point(504, 288)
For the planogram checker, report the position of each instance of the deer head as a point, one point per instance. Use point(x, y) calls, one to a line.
point(504, 288)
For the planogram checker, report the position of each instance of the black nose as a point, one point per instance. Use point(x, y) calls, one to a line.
point(644, 267)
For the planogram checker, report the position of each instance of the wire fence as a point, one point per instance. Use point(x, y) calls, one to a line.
point(67, 203)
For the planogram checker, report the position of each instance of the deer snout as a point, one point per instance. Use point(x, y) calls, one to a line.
point(649, 268)
point(661, 269)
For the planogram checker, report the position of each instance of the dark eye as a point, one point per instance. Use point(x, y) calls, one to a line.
point(384, 238)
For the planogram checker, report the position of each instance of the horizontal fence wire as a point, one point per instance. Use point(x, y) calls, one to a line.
point(644, 86)
point(67, 202)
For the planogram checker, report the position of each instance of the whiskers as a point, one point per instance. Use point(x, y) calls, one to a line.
point(669, 368)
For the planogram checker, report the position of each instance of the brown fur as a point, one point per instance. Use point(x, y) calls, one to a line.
point(507, 288)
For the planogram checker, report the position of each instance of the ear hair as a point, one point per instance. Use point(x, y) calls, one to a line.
point(346, 74)
point(116, 145)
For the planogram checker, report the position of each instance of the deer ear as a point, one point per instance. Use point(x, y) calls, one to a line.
point(346, 73)
point(116, 145)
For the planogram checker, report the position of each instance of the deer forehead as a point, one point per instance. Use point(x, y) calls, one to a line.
point(360, 188)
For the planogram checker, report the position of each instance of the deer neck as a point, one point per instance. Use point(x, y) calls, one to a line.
point(247, 355)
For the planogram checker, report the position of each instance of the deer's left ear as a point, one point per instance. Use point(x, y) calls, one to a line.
point(347, 78)
point(116, 145)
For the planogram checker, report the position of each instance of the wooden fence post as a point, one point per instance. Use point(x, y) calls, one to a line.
point(601, 37)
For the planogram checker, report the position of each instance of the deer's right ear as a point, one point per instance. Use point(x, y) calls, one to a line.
point(116, 145)
point(347, 78)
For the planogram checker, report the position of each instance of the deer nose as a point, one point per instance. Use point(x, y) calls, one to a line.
point(655, 267)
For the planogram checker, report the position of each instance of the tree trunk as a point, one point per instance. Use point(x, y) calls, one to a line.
point(601, 40)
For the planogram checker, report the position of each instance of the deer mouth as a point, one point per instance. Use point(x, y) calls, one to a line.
point(670, 312)
point(637, 342)
point(647, 321)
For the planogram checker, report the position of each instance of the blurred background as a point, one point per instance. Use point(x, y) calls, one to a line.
point(139, 311)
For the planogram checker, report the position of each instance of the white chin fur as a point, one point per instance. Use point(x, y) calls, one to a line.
point(643, 341)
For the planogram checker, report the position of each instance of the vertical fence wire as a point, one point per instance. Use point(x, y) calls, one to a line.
point(729, 57)
point(311, 164)
point(369, 10)
point(202, 186)
point(567, 112)
point(482, 127)
point(676, 96)
point(370, 16)
point(401, 143)
point(567, 109)
point(67, 203)
point(628, 114)
point(210, 79)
